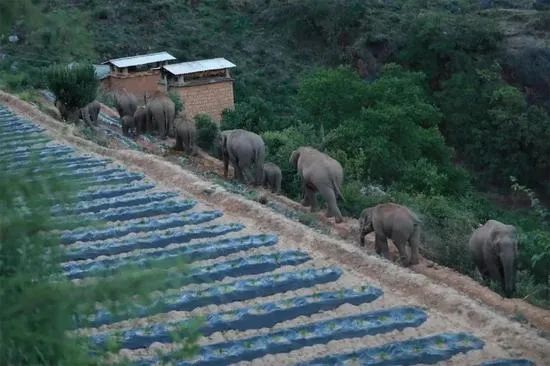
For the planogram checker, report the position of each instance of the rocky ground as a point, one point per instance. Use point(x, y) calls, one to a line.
point(451, 303)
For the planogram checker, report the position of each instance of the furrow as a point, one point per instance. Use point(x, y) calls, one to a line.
point(426, 350)
point(263, 315)
point(190, 252)
point(163, 223)
point(101, 204)
point(294, 338)
point(234, 291)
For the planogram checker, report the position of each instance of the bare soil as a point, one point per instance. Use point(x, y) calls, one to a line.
point(454, 302)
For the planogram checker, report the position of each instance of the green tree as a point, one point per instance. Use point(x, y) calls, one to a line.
point(254, 114)
point(74, 86)
point(330, 96)
point(396, 139)
point(207, 130)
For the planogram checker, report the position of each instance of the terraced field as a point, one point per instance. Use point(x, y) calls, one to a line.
point(265, 300)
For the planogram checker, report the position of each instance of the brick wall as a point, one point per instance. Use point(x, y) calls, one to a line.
point(209, 98)
point(137, 84)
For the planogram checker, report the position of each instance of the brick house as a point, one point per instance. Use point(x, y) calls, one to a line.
point(138, 74)
point(205, 86)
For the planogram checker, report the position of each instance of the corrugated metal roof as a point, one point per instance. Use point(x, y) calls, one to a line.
point(102, 71)
point(198, 66)
point(141, 59)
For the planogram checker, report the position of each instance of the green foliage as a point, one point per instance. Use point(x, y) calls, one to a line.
point(38, 302)
point(207, 130)
point(397, 137)
point(176, 98)
point(331, 96)
point(74, 86)
point(254, 114)
point(441, 43)
point(494, 129)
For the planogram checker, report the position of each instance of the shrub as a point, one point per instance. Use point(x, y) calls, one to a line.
point(255, 115)
point(207, 130)
point(38, 301)
point(330, 96)
point(74, 86)
point(176, 98)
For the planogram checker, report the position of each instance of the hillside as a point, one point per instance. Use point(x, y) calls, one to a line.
point(275, 291)
point(469, 86)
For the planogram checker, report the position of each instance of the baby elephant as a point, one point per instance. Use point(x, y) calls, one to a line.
point(128, 125)
point(186, 134)
point(494, 249)
point(389, 220)
point(272, 177)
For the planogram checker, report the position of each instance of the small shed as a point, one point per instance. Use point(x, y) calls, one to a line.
point(138, 74)
point(205, 86)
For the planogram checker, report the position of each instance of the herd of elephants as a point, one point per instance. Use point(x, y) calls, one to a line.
point(493, 246)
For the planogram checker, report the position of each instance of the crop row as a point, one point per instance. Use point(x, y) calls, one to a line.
point(199, 251)
point(136, 212)
point(240, 290)
point(141, 225)
point(264, 315)
point(108, 191)
point(127, 200)
point(426, 350)
point(218, 271)
point(290, 339)
point(154, 240)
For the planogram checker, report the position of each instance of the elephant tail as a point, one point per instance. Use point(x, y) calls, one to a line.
point(338, 191)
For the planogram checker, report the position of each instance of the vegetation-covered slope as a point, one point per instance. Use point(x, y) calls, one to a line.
point(461, 108)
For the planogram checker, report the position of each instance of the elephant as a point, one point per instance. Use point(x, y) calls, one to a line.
point(272, 177)
point(128, 124)
point(161, 112)
point(140, 119)
point(90, 113)
point(243, 149)
point(390, 220)
point(494, 250)
point(319, 173)
point(126, 103)
point(186, 134)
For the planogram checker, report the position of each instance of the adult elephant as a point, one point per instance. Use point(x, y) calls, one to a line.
point(319, 173)
point(125, 103)
point(389, 220)
point(161, 112)
point(90, 113)
point(494, 250)
point(244, 149)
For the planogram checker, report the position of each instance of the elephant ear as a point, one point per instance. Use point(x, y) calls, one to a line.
point(493, 241)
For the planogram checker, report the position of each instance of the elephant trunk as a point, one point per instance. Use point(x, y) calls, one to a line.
point(509, 274)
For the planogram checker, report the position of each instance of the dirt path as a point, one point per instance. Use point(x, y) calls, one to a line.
point(462, 307)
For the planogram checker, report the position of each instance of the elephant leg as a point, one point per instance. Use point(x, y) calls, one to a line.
point(225, 167)
point(401, 247)
point(330, 196)
point(312, 199)
point(493, 268)
point(179, 143)
point(305, 202)
point(381, 245)
point(414, 242)
point(309, 197)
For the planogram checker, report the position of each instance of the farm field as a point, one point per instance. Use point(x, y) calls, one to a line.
point(271, 291)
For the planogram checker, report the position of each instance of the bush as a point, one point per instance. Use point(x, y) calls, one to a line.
point(331, 96)
point(207, 130)
point(38, 302)
point(255, 115)
point(74, 86)
point(176, 98)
